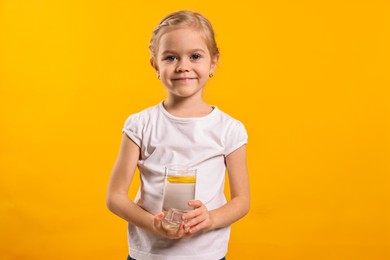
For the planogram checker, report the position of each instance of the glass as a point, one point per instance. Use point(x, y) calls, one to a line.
point(173, 219)
point(179, 188)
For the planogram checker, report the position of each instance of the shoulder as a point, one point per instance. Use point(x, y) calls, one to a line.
point(227, 121)
point(232, 133)
point(136, 124)
point(143, 115)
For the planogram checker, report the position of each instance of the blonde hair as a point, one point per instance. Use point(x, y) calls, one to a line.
point(181, 19)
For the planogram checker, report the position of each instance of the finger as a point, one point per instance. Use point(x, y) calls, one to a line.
point(195, 203)
point(187, 232)
point(196, 220)
point(195, 213)
point(160, 216)
point(157, 220)
point(194, 229)
point(180, 231)
point(202, 225)
point(186, 228)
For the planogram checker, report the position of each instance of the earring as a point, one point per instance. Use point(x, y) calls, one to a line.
point(158, 75)
point(211, 75)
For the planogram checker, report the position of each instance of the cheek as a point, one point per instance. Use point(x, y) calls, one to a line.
point(166, 69)
point(205, 71)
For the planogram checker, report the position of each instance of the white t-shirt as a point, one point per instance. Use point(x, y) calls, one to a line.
point(202, 143)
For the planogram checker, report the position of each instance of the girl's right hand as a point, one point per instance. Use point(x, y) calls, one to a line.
point(157, 224)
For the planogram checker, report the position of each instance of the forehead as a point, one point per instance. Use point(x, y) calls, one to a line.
point(182, 39)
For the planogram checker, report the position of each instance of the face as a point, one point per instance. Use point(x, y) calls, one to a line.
point(183, 62)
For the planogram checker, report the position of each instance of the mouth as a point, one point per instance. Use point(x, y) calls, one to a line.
point(183, 79)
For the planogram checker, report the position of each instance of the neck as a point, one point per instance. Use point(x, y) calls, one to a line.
point(183, 107)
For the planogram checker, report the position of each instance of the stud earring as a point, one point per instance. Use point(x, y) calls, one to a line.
point(211, 75)
point(158, 75)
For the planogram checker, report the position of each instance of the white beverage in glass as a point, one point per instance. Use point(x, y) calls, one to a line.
point(179, 188)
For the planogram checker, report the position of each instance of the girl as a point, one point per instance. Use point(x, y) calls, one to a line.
point(185, 130)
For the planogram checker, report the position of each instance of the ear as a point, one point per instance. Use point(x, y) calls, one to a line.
point(214, 63)
point(154, 64)
point(155, 67)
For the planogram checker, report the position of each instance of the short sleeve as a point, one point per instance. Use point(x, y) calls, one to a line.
point(235, 137)
point(133, 128)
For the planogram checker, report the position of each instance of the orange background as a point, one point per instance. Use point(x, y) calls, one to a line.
point(309, 79)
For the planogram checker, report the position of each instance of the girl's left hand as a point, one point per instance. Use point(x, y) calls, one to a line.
point(199, 219)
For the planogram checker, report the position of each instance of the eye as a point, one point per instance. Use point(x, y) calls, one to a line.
point(170, 58)
point(196, 56)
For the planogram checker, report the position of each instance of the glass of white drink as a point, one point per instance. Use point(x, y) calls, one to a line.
point(179, 188)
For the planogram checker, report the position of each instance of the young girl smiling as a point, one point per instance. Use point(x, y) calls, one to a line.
point(181, 130)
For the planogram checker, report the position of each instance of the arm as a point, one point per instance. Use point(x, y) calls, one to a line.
point(233, 210)
point(117, 194)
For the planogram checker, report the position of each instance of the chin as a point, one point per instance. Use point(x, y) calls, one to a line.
point(185, 94)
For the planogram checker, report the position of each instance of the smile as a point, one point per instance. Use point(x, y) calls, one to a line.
point(183, 79)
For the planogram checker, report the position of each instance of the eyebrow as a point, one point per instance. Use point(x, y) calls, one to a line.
point(191, 51)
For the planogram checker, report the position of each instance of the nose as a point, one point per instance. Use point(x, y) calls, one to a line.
point(183, 66)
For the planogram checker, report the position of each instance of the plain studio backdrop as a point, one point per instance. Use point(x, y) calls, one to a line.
point(309, 79)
